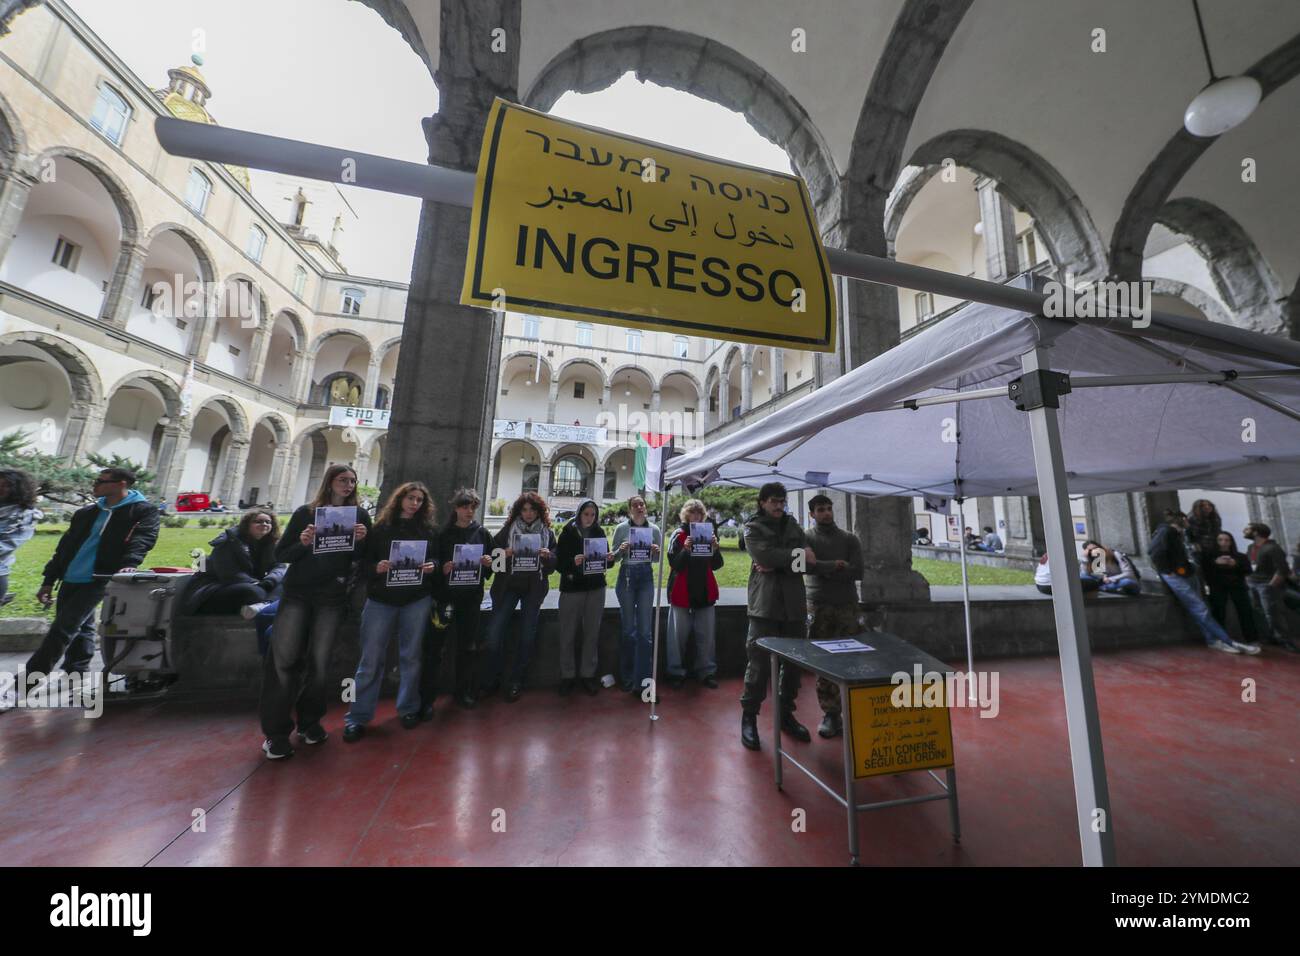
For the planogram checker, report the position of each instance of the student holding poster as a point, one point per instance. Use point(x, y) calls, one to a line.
point(400, 576)
point(692, 593)
point(636, 547)
point(583, 558)
point(528, 515)
point(315, 594)
point(465, 607)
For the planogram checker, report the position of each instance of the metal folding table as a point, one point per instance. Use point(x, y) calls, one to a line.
point(864, 678)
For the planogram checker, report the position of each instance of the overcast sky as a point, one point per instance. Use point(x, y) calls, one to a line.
point(333, 72)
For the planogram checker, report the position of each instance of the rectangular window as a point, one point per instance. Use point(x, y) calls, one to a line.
point(584, 333)
point(233, 350)
point(352, 301)
point(256, 243)
point(532, 327)
point(110, 115)
point(197, 191)
point(1028, 249)
point(634, 340)
point(299, 281)
point(66, 254)
point(182, 324)
point(151, 295)
point(680, 346)
point(579, 389)
point(924, 306)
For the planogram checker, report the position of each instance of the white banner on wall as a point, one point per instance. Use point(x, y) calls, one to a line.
point(504, 428)
point(575, 433)
point(359, 417)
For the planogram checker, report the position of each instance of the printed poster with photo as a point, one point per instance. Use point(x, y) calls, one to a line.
point(701, 539)
point(526, 556)
point(594, 552)
point(406, 563)
point(336, 529)
point(465, 565)
point(639, 541)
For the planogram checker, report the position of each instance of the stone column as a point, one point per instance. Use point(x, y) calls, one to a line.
point(552, 397)
point(371, 392)
point(999, 221)
point(985, 516)
point(201, 338)
point(170, 466)
point(1024, 537)
point(656, 397)
point(300, 380)
point(257, 357)
point(125, 284)
point(275, 479)
point(544, 479)
point(15, 187)
point(281, 492)
point(442, 424)
point(598, 491)
point(746, 383)
point(361, 462)
point(81, 433)
point(778, 372)
point(232, 483)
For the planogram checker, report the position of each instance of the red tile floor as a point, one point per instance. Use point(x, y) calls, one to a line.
point(1197, 777)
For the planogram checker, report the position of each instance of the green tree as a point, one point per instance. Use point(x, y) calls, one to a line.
point(58, 479)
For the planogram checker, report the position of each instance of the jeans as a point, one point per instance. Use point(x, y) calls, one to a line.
point(72, 633)
point(1270, 601)
point(1086, 581)
point(682, 622)
point(230, 598)
point(262, 624)
point(504, 603)
point(1126, 586)
point(296, 669)
point(378, 623)
point(636, 596)
point(1190, 598)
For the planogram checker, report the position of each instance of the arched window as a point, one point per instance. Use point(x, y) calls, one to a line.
point(352, 301)
point(299, 280)
point(256, 243)
point(197, 192)
point(110, 115)
point(570, 478)
point(532, 476)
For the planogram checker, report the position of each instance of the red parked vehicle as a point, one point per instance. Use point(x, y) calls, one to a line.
point(192, 501)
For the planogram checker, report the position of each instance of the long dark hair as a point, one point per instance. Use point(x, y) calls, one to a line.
point(537, 501)
point(262, 550)
point(325, 496)
point(1232, 543)
point(22, 490)
point(392, 510)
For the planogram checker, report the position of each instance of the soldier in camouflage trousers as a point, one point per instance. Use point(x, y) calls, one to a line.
point(832, 597)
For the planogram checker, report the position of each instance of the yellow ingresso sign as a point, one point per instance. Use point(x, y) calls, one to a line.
point(583, 224)
point(889, 739)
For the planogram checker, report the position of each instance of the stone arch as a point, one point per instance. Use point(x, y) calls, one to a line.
point(532, 357)
point(368, 447)
point(1026, 179)
point(128, 212)
point(916, 44)
point(1163, 174)
point(701, 67)
point(380, 352)
point(315, 347)
point(630, 367)
point(1242, 278)
point(263, 305)
point(732, 354)
point(1207, 304)
point(239, 430)
point(13, 139)
point(682, 373)
point(559, 373)
point(207, 265)
point(295, 323)
point(167, 387)
point(602, 462)
point(568, 449)
point(500, 443)
point(87, 387)
point(278, 426)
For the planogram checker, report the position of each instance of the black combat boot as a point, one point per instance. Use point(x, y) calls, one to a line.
point(792, 727)
point(749, 731)
point(831, 726)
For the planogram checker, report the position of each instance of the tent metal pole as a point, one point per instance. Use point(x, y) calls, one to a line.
point(659, 584)
point(1239, 389)
point(1091, 793)
point(971, 695)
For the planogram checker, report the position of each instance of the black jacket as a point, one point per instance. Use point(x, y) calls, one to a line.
point(378, 546)
point(320, 578)
point(130, 534)
point(1168, 551)
point(536, 584)
point(448, 537)
point(231, 561)
point(1221, 578)
point(572, 577)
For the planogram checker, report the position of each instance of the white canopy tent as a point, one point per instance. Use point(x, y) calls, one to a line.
point(1179, 403)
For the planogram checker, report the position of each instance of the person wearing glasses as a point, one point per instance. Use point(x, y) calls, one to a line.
point(296, 670)
point(241, 573)
point(777, 608)
point(108, 537)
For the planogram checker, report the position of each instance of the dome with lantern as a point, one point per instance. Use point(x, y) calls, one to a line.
point(186, 97)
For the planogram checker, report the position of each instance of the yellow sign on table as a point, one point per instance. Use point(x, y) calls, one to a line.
point(583, 224)
point(889, 739)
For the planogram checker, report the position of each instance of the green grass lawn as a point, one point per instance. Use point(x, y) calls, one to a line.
point(174, 546)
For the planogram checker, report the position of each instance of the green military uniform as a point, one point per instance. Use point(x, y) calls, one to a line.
point(833, 596)
point(777, 605)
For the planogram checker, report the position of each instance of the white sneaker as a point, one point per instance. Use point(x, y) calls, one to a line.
point(250, 611)
point(1246, 648)
point(1226, 648)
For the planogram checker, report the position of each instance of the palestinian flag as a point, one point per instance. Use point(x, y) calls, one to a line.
point(648, 470)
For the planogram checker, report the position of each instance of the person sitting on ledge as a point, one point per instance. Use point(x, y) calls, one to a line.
point(1114, 570)
point(1043, 578)
point(922, 536)
point(241, 574)
point(990, 542)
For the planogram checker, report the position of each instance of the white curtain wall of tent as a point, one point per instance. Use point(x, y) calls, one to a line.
point(1179, 403)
